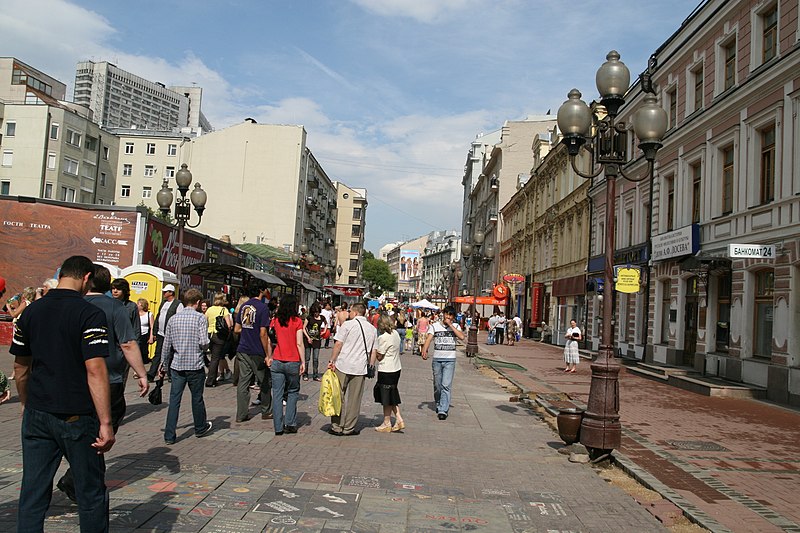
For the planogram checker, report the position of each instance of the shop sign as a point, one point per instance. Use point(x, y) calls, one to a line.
point(514, 278)
point(751, 251)
point(537, 295)
point(683, 241)
point(628, 279)
point(480, 300)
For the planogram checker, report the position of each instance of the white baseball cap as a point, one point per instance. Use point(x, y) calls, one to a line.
point(168, 287)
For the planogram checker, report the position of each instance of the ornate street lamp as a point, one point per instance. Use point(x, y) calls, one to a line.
point(600, 428)
point(472, 250)
point(198, 197)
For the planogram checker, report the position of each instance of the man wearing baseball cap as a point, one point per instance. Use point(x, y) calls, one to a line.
point(169, 306)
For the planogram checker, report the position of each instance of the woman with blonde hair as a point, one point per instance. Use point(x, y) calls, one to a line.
point(217, 310)
point(387, 356)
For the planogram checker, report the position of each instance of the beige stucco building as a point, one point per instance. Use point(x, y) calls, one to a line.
point(351, 220)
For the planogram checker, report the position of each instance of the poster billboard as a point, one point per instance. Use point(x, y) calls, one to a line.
point(36, 237)
point(161, 250)
point(410, 265)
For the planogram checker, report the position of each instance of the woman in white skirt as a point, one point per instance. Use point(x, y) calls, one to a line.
point(571, 357)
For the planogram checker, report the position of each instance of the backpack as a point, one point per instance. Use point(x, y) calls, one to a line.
point(221, 326)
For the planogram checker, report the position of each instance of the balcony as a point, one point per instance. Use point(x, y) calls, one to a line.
point(493, 217)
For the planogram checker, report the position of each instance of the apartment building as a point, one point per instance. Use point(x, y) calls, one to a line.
point(121, 99)
point(351, 220)
point(442, 252)
point(51, 148)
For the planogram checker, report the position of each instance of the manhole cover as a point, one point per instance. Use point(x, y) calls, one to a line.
point(697, 445)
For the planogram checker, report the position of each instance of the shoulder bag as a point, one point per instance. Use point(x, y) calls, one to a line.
point(370, 368)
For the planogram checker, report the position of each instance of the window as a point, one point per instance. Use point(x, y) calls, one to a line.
point(51, 161)
point(666, 298)
point(356, 213)
point(672, 101)
point(729, 70)
point(698, 87)
point(48, 190)
point(670, 201)
point(172, 149)
point(128, 148)
point(727, 180)
point(5, 187)
point(102, 179)
point(697, 185)
point(125, 191)
point(762, 338)
point(356, 232)
point(105, 153)
point(767, 165)
point(147, 192)
point(149, 171)
point(73, 137)
point(67, 194)
point(628, 230)
point(169, 172)
point(355, 247)
point(70, 166)
point(769, 39)
point(54, 127)
point(724, 284)
point(91, 143)
point(8, 158)
point(151, 148)
point(127, 170)
point(353, 264)
point(11, 129)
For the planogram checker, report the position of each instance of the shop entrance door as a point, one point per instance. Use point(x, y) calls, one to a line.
point(565, 313)
point(690, 323)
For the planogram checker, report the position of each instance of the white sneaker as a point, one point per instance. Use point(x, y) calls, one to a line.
point(284, 402)
point(257, 401)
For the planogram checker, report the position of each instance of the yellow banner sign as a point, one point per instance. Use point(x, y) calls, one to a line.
point(628, 280)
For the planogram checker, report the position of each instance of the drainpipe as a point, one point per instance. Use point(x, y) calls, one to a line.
point(97, 167)
point(44, 158)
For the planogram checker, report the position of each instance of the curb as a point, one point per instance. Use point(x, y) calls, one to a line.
point(629, 467)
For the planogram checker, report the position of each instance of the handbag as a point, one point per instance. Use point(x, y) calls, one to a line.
point(155, 395)
point(273, 335)
point(370, 368)
point(221, 326)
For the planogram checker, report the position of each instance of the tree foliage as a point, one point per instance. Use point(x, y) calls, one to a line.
point(377, 275)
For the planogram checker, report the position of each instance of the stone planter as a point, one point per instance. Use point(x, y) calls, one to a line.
point(569, 424)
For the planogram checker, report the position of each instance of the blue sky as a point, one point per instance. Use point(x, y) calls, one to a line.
point(391, 92)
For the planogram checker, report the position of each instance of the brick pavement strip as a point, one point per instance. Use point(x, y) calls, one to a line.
point(490, 467)
point(729, 464)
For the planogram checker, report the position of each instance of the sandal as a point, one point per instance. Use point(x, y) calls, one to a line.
point(305, 378)
point(383, 428)
point(399, 426)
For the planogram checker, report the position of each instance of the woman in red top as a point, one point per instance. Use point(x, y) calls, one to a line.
point(286, 365)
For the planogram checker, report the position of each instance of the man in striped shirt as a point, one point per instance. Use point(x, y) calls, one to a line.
point(185, 339)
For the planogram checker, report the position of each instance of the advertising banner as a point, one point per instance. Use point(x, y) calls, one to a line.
point(480, 300)
point(161, 250)
point(36, 237)
point(410, 265)
point(537, 295)
point(683, 241)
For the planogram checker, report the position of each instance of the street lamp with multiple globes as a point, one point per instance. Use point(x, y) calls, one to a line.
point(607, 137)
point(198, 197)
point(473, 250)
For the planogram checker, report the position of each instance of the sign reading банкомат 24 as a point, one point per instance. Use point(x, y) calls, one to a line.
point(751, 251)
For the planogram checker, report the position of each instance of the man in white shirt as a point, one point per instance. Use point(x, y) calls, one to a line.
point(354, 342)
point(492, 322)
point(327, 314)
point(443, 335)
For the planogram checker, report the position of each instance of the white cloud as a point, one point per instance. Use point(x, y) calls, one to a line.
point(426, 11)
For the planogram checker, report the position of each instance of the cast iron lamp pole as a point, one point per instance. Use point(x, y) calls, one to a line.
point(600, 428)
point(467, 250)
point(198, 197)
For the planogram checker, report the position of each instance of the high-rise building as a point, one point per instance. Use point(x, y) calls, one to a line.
point(351, 222)
point(121, 99)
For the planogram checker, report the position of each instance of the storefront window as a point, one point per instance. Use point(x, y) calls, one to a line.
point(723, 312)
point(762, 339)
point(666, 290)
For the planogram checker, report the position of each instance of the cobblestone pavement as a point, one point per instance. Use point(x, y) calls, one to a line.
point(730, 463)
point(490, 467)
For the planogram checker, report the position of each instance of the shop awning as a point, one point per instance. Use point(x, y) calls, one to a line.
point(309, 287)
point(335, 292)
point(215, 269)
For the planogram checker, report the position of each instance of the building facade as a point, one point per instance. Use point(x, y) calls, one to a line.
point(405, 261)
point(439, 259)
point(351, 225)
point(121, 99)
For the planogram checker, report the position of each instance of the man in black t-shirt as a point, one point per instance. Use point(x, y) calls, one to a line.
point(63, 340)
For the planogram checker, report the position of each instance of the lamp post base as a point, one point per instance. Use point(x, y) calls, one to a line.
point(600, 427)
point(472, 341)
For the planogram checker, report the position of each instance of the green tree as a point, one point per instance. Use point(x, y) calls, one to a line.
point(377, 275)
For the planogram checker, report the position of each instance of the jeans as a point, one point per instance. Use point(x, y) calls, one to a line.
point(312, 352)
point(402, 333)
point(250, 365)
point(45, 439)
point(490, 336)
point(285, 375)
point(181, 378)
point(443, 371)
